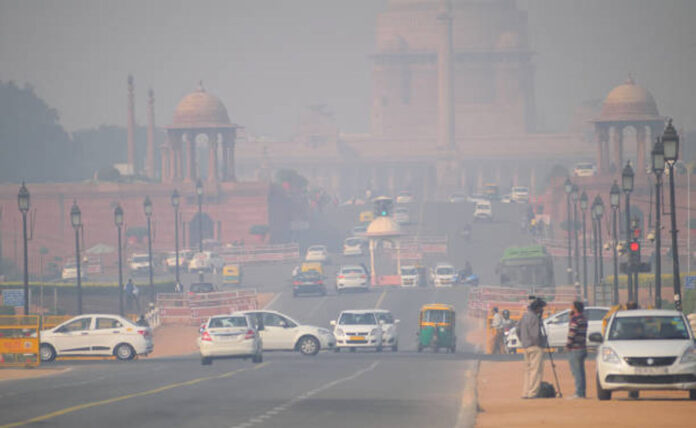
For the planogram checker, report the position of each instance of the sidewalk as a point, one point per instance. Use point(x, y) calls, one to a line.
point(500, 405)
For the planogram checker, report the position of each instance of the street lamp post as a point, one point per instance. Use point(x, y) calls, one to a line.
point(23, 201)
point(657, 157)
point(175, 204)
point(574, 196)
point(199, 194)
point(118, 221)
point(670, 141)
point(627, 186)
point(147, 205)
point(76, 221)
point(599, 212)
point(615, 199)
point(568, 187)
point(595, 252)
point(583, 208)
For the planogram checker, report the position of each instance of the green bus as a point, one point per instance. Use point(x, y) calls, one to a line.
point(526, 266)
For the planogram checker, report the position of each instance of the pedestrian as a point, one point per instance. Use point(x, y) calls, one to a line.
point(178, 288)
point(129, 294)
point(577, 337)
point(136, 297)
point(497, 325)
point(532, 344)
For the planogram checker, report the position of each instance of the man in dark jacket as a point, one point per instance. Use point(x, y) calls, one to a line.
point(577, 336)
point(532, 341)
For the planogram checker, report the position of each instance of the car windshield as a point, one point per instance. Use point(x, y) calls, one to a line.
point(353, 242)
point(409, 271)
point(437, 316)
point(401, 211)
point(139, 259)
point(201, 288)
point(387, 317)
point(316, 249)
point(350, 318)
point(648, 328)
point(352, 270)
point(483, 206)
point(310, 275)
point(445, 271)
point(584, 166)
point(223, 322)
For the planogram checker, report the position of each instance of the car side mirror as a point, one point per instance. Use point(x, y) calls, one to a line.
point(596, 338)
point(333, 323)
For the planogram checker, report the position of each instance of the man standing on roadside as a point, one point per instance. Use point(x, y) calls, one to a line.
point(497, 326)
point(532, 342)
point(577, 336)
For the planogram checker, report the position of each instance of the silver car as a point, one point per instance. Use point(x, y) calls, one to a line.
point(351, 277)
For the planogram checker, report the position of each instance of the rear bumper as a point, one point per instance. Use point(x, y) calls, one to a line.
point(308, 289)
point(240, 349)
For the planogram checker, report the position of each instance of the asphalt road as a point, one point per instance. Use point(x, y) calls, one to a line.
point(361, 389)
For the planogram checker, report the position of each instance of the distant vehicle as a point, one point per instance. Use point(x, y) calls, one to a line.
point(354, 246)
point(359, 230)
point(646, 350)
point(506, 199)
point(483, 211)
point(401, 215)
point(184, 258)
point(201, 287)
point(490, 191)
point(520, 194)
point(358, 328)
point(232, 274)
point(526, 266)
point(312, 266)
point(458, 197)
point(476, 197)
point(279, 332)
point(207, 261)
point(70, 271)
point(139, 263)
point(310, 282)
point(585, 169)
point(410, 277)
point(229, 336)
point(351, 277)
point(444, 275)
point(317, 253)
point(96, 335)
point(404, 197)
point(366, 216)
point(390, 335)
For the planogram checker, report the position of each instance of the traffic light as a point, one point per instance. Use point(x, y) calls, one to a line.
point(634, 253)
point(383, 206)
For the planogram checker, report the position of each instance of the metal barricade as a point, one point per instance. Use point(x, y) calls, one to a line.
point(19, 341)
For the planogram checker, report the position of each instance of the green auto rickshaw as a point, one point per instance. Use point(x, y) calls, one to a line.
point(436, 327)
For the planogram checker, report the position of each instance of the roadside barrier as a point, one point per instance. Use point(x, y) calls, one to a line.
point(260, 254)
point(19, 341)
point(180, 308)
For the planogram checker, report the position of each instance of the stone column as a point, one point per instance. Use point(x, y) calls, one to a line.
point(212, 157)
point(640, 149)
point(229, 139)
point(191, 157)
point(602, 136)
point(617, 141)
point(131, 125)
point(165, 163)
point(150, 153)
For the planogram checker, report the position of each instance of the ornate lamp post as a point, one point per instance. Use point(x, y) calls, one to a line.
point(615, 200)
point(23, 201)
point(583, 208)
point(147, 205)
point(670, 140)
point(175, 204)
point(118, 221)
point(599, 212)
point(627, 186)
point(199, 194)
point(657, 158)
point(574, 196)
point(568, 187)
point(76, 221)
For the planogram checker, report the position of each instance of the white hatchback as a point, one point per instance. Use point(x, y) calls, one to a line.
point(351, 277)
point(96, 335)
point(279, 332)
point(229, 336)
point(646, 350)
point(354, 246)
point(390, 334)
point(317, 253)
point(483, 211)
point(357, 329)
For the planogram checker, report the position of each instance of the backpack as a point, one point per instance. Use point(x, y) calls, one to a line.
point(546, 390)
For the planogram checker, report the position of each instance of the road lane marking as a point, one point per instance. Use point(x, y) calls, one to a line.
point(381, 299)
point(309, 394)
point(469, 404)
point(112, 400)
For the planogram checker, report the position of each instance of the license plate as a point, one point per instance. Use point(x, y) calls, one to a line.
point(357, 338)
point(651, 370)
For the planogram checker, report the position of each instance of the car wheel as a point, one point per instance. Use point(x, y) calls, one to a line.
point(634, 394)
point(602, 394)
point(257, 358)
point(206, 361)
point(47, 353)
point(124, 352)
point(308, 345)
point(692, 394)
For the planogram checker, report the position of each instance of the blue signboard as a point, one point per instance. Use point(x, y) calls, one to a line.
point(690, 283)
point(13, 297)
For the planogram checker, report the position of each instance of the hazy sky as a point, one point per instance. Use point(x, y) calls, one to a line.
point(267, 59)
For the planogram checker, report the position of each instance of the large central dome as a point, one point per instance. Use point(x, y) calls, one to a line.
point(629, 102)
point(199, 109)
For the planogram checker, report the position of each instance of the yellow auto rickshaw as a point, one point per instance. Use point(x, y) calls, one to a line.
point(315, 266)
point(232, 274)
point(366, 216)
point(436, 327)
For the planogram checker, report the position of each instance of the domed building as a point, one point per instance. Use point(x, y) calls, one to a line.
point(200, 119)
point(626, 106)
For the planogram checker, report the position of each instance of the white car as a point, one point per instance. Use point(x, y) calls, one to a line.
point(206, 261)
point(409, 276)
point(139, 263)
point(401, 215)
point(390, 335)
point(184, 257)
point(228, 336)
point(404, 198)
point(354, 246)
point(556, 326)
point(443, 275)
point(483, 211)
point(357, 329)
point(457, 197)
point(279, 332)
point(520, 194)
point(646, 350)
point(96, 335)
point(69, 271)
point(359, 230)
point(585, 169)
point(351, 277)
point(317, 253)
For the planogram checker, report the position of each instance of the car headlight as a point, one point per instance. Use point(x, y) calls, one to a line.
point(609, 356)
point(339, 332)
point(689, 355)
point(374, 332)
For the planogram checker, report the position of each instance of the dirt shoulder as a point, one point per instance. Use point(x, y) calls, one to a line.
point(27, 373)
point(500, 388)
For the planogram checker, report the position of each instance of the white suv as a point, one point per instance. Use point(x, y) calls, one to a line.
point(483, 211)
point(139, 263)
point(443, 275)
point(646, 349)
point(279, 332)
point(357, 329)
point(317, 253)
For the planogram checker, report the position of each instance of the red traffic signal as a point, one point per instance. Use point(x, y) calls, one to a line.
point(634, 247)
point(636, 232)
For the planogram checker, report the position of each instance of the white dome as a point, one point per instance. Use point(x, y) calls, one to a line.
point(383, 227)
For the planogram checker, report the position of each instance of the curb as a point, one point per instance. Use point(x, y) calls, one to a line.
point(469, 406)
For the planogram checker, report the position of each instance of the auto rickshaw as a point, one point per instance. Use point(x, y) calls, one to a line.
point(316, 266)
point(366, 216)
point(436, 327)
point(232, 274)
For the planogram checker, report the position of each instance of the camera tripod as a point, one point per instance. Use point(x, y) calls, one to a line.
point(548, 352)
